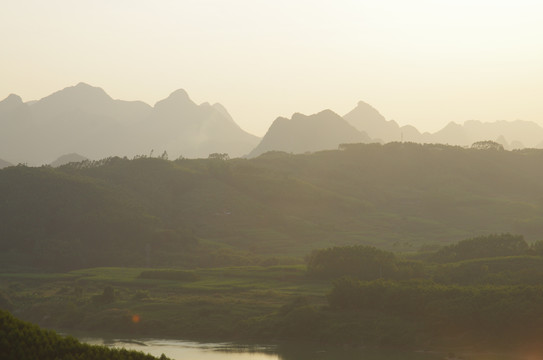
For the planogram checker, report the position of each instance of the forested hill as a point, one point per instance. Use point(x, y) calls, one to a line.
point(151, 211)
point(20, 340)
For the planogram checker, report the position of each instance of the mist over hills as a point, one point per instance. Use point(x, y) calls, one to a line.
point(84, 119)
point(323, 131)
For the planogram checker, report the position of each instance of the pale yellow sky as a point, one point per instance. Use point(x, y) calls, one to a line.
point(419, 62)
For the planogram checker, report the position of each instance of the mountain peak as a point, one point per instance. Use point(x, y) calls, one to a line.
point(12, 100)
point(177, 99)
point(366, 118)
point(83, 85)
point(86, 89)
point(80, 92)
point(452, 125)
point(179, 94)
point(362, 103)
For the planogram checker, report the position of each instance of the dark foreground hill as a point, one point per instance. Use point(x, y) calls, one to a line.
point(215, 212)
point(23, 341)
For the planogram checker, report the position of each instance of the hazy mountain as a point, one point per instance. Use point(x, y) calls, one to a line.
point(68, 158)
point(80, 119)
point(15, 129)
point(4, 163)
point(85, 119)
point(325, 130)
point(89, 99)
point(181, 127)
point(527, 133)
point(512, 134)
point(366, 118)
point(452, 134)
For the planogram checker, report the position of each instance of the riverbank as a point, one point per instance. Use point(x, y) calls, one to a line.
point(275, 305)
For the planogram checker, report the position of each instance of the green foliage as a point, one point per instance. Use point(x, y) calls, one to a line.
point(494, 314)
point(65, 221)
point(107, 296)
point(362, 262)
point(151, 211)
point(357, 204)
point(487, 145)
point(5, 301)
point(23, 341)
point(219, 156)
point(509, 270)
point(483, 247)
point(176, 275)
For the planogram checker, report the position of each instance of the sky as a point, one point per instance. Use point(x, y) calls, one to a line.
point(419, 62)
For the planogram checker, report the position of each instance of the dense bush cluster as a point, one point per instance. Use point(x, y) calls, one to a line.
point(494, 245)
point(490, 313)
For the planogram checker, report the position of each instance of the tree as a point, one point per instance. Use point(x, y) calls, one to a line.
point(487, 145)
point(219, 156)
point(361, 262)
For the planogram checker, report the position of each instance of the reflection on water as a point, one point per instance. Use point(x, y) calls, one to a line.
point(183, 350)
point(297, 353)
point(186, 350)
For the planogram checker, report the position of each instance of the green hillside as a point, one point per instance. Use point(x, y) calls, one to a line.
point(272, 209)
point(24, 341)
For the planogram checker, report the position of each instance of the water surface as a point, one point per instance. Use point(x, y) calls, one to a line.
point(186, 350)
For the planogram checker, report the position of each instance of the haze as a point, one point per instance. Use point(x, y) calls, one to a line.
point(423, 63)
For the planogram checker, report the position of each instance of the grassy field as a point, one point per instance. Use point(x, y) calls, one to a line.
point(212, 305)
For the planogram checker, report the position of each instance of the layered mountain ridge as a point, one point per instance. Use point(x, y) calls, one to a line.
point(84, 119)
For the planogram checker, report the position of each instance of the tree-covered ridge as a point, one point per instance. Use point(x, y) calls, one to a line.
point(220, 211)
point(501, 259)
point(20, 340)
point(60, 220)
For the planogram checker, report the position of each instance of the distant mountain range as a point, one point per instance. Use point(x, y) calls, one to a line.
point(85, 120)
point(511, 134)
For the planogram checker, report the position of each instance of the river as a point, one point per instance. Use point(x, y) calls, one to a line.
point(185, 350)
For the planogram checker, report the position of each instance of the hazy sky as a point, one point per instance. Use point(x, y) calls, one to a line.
point(419, 62)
